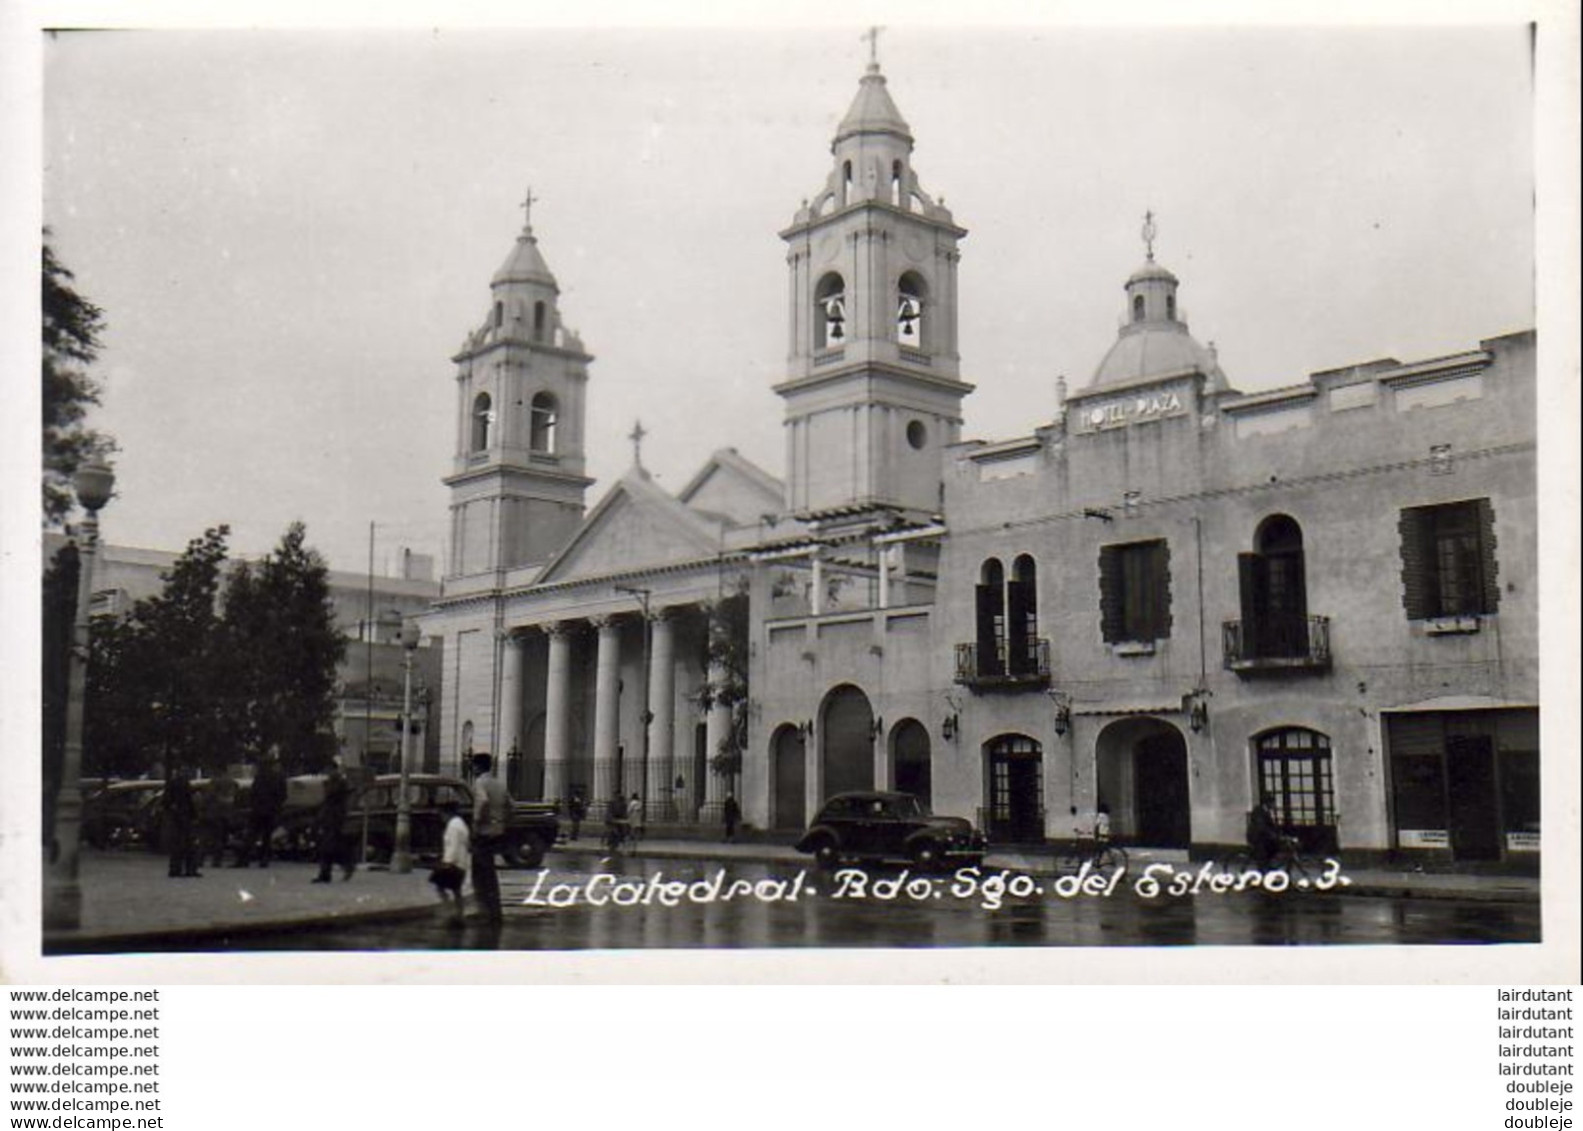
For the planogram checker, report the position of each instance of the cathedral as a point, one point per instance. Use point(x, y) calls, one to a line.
point(1173, 600)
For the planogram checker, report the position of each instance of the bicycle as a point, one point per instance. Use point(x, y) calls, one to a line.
point(1301, 870)
point(1099, 853)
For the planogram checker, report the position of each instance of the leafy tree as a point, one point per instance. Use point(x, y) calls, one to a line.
point(60, 611)
point(283, 646)
point(72, 326)
point(728, 653)
point(158, 681)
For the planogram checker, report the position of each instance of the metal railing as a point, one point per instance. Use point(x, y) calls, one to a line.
point(1027, 664)
point(1277, 642)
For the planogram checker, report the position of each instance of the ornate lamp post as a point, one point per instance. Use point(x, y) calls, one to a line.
point(401, 857)
point(62, 894)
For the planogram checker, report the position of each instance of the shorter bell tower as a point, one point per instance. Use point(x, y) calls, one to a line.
point(517, 481)
point(873, 393)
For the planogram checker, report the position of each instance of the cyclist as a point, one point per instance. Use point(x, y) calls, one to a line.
point(1264, 833)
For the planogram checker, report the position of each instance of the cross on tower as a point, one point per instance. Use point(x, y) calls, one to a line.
point(636, 436)
point(1149, 233)
point(872, 35)
point(527, 208)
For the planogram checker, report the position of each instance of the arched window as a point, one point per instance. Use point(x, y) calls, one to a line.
point(895, 184)
point(829, 312)
point(500, 315)
point(1137, 308)
point(483, 421)
point(1273, 590)
point(540, 313)
point(541, 424)
point(991, 619)
point(910, 310)
point(846, 183)
point(1170, 307)
point(1014, 764)
point(1294, 771)
point(1022, 617)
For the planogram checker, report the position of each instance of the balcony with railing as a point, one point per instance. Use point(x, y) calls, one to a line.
point(1277, 643)
point(1017, 664)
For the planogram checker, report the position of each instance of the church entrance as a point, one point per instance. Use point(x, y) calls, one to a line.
point(789, 753)
point(1142, 774)
point(847, 741)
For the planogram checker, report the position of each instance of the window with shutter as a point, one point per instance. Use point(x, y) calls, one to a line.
point(1448, 560)
point(1135, 592)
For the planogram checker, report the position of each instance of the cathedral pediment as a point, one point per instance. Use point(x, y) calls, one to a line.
point(637, 525)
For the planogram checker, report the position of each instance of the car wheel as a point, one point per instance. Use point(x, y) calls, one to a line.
point(926, 855)
point(526, 853)
point(827, 855)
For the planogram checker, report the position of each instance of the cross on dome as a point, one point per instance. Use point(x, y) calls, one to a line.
point(1149, 232)
point(527, 208)
point(872, 35)
point(636, 436)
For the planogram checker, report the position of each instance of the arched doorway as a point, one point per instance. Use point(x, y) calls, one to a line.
point(1142, 772)
point(909, 745)
point(1014, 765)
point(847, 741)
point(789, 753)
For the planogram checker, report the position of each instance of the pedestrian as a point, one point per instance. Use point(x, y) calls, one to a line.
point(333, 846)
point(217, 812)
point(618, 829)
point(449, 873)
point(1264, 832)
point(180, 815)
point(731, 813)
point(491, 804)
point(264, 803)
point(637, 820)
point(577, 811)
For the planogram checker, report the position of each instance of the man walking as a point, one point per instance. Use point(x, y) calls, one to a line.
point(332, 822)
point(265, 801)
point(180, 813)
point(491, 804)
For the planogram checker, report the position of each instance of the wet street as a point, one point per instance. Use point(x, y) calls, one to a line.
point(585, 902)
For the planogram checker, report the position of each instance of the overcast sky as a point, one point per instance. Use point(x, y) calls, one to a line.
point(290, 233)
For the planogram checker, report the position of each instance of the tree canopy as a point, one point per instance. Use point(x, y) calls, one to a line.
point(72, 326)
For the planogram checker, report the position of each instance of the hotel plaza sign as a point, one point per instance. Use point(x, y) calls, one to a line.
point(1132, 408)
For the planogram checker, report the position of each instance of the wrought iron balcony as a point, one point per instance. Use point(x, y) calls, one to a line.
point(1277, 643)
point(1024, 664)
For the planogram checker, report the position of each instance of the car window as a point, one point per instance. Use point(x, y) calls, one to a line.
point(445, 793)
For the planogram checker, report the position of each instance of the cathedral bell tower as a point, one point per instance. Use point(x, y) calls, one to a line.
point(517, 480)
point(872, 392)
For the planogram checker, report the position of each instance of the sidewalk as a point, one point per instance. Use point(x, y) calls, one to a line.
point(127, 897)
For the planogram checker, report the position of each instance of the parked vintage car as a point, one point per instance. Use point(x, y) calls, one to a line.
point(121, 814)
point(531, 827)
point(878, 826)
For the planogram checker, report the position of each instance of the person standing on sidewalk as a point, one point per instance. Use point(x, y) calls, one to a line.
point(264, 803)
point(333, 846)
point(449, 873)
point(577, 810)
point(491, 804)
point(180, 813)
point(731, 813)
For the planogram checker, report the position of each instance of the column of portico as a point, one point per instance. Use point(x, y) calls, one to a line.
point(662, 717)
point(557, 712)
point(607, 684)
point(717, 728)
point(510, 737)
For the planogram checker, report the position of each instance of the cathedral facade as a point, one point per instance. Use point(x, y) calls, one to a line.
point(1172, 600)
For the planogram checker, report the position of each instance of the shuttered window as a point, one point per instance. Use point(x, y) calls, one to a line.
point(1135, 592)
point(1448, 560)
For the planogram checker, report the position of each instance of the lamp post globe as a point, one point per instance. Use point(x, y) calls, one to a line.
point(93, 484)
point(401, 855)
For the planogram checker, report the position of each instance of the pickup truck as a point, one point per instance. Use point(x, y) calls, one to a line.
point(531, 826)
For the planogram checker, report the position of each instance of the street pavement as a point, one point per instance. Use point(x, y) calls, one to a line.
point(128, 898)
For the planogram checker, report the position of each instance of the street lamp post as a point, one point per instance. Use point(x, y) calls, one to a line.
point(643, 596)
point(401, 856)
point(62, 893)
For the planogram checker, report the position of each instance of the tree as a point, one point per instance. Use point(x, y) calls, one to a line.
point(728, 654)
point(158, 681)
point(283, 649)
point(72, 326)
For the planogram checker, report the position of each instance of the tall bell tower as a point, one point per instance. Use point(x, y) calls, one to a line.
point(872, 393)
point(517, 481)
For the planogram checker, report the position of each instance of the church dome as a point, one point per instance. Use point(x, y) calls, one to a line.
point(525, 264)
point(872, 111)
point(1147, 350)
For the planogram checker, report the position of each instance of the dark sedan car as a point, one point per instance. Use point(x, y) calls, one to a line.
point(530, 826)
point(889, 826)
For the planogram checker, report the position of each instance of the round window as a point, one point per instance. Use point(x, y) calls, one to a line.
point(917, 434)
